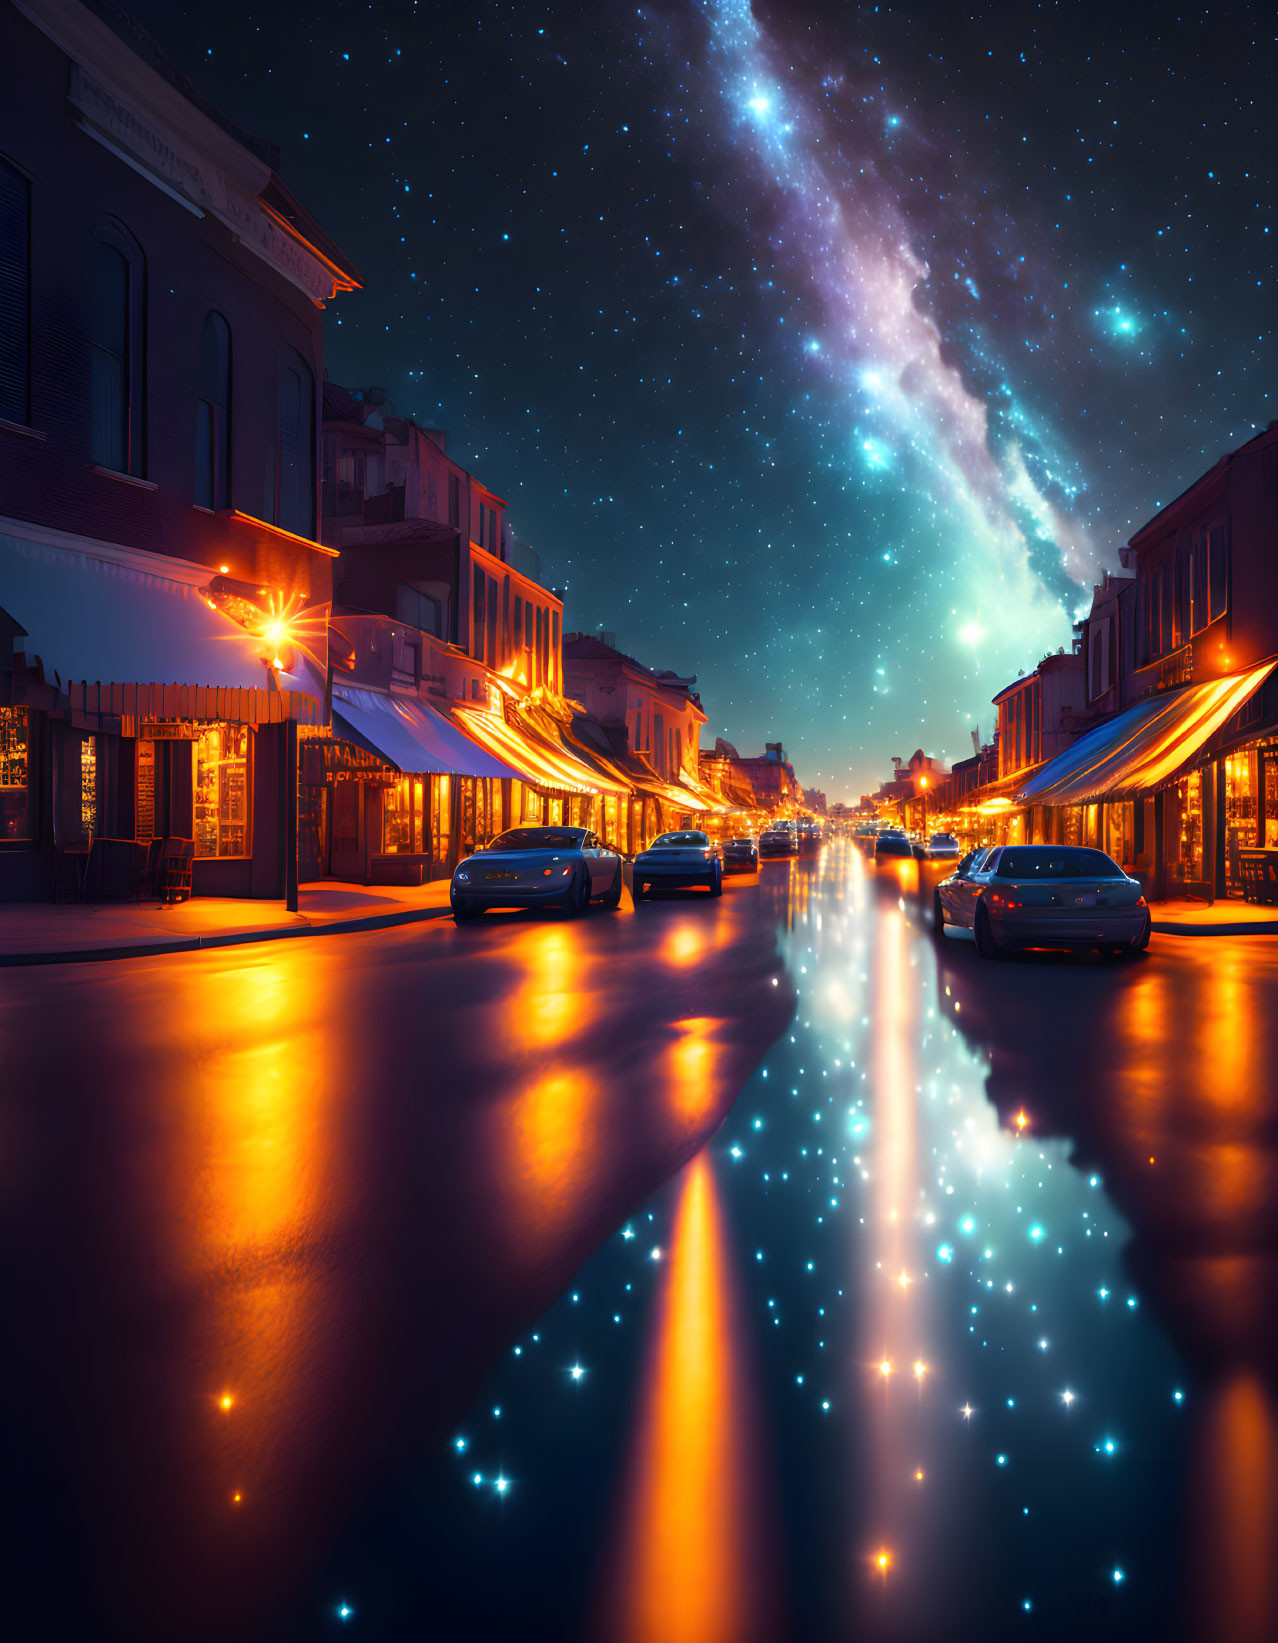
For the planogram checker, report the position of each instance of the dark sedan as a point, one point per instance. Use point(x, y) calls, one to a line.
point(892, 844)
point(675, 861)
point(778, 841)
point(564, 867)
point(740, 855)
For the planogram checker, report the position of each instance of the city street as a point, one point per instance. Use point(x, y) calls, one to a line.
point(712, 1272)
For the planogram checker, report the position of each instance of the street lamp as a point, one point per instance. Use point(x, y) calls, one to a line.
point(923, 787)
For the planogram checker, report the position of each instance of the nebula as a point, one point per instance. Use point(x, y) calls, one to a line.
point(978, 490)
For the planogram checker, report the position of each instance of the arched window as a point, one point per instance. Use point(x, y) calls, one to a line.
point(117, 352)
point(295, 444)
point(213, 415)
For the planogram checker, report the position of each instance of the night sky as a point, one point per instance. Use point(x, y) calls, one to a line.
point(826, 352)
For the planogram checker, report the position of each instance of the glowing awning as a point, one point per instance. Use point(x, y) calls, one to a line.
point(701, 797)
point(413, 736)
point(996, 796)
point(1145, 748)
point(532, 760)
point(100, 613)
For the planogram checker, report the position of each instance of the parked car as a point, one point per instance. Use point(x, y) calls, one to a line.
point(778, 841)
point(564, 867)
point(943, 846)
point(809, 837)
point(892, 844)
point(740, 855)
point(674, 861)
point(1044, 895)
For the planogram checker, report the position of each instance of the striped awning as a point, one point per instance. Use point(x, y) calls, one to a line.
point(1147, 747)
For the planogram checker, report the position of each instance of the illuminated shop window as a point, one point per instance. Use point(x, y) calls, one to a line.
point(15, 793)
point(222, 792)
point(89, 786)
point(402, 807)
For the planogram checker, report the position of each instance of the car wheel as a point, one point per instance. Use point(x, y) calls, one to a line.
point(986, 945)
point(576, 896)
point(464, 910)
point(938, 914)
point(1142, 940)
point(716, 881)
point(613, 897)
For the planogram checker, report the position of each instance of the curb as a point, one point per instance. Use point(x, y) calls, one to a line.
point(234, 938)
point(1262, 927)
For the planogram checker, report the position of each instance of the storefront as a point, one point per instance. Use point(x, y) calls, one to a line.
point(93, 775)
point(1176, 789)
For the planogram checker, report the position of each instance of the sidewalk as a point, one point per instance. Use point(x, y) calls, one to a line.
point(41, 933)
point(1220, 918)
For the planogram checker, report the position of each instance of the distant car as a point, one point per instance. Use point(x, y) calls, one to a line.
point(809, 837)
point(673, 861)
point(564, 867)
point(892, 844)
point(1044, 895)
point(942, 847)
point(740, 855)
point(778, 841)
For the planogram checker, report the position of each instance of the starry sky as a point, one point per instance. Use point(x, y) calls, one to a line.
point(828, 352)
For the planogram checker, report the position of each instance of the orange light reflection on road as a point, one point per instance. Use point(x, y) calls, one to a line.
point(688, 1572)
point(547, 1147)
point(691, 1070)
point(684, 945)
point(1238, 1513)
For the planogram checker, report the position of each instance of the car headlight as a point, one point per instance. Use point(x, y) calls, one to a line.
point(462, 876)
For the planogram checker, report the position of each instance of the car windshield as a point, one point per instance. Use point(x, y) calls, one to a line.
point(681, 841)
point(1049, 862)
point(944, 838)
point(538, 838)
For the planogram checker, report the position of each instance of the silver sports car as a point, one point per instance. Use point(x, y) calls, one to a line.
point(1043, 895)
point(565, 867)
point(674, 860)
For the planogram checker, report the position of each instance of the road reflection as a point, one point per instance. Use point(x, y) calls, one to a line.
point(691, 1558)
point(279, 1211)
point(1162, 1073)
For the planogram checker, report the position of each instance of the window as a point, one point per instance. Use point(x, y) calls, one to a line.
point(1218, 571)
point(528, 627)
point(222, 792)
point(89, 787)
point(1183, 625)
point(294, 500)
point(454, 499)
point(492, 530)
point(15, 788)
point(1167, 580)
point(403, 816)
point(116, 352)
point(416, 609)
point(15, 299)
point(538, 666)
point(479, 605)
point(1098, 660)
point(483, 520)
point(518, 623)
point(213, 415)
point(494, 618)
point(554, 643)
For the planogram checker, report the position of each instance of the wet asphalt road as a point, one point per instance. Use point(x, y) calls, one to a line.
point(753, 1269)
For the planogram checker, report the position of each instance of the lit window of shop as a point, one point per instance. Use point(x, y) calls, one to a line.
point(402, 817)
point(89, 786)
point(15, 790)
point(222, 792)
point(440, 816)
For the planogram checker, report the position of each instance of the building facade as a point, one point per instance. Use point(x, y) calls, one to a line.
point(165, 594)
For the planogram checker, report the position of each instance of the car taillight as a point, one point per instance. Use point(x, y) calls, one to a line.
point(545, 873)
point(1141, 902)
